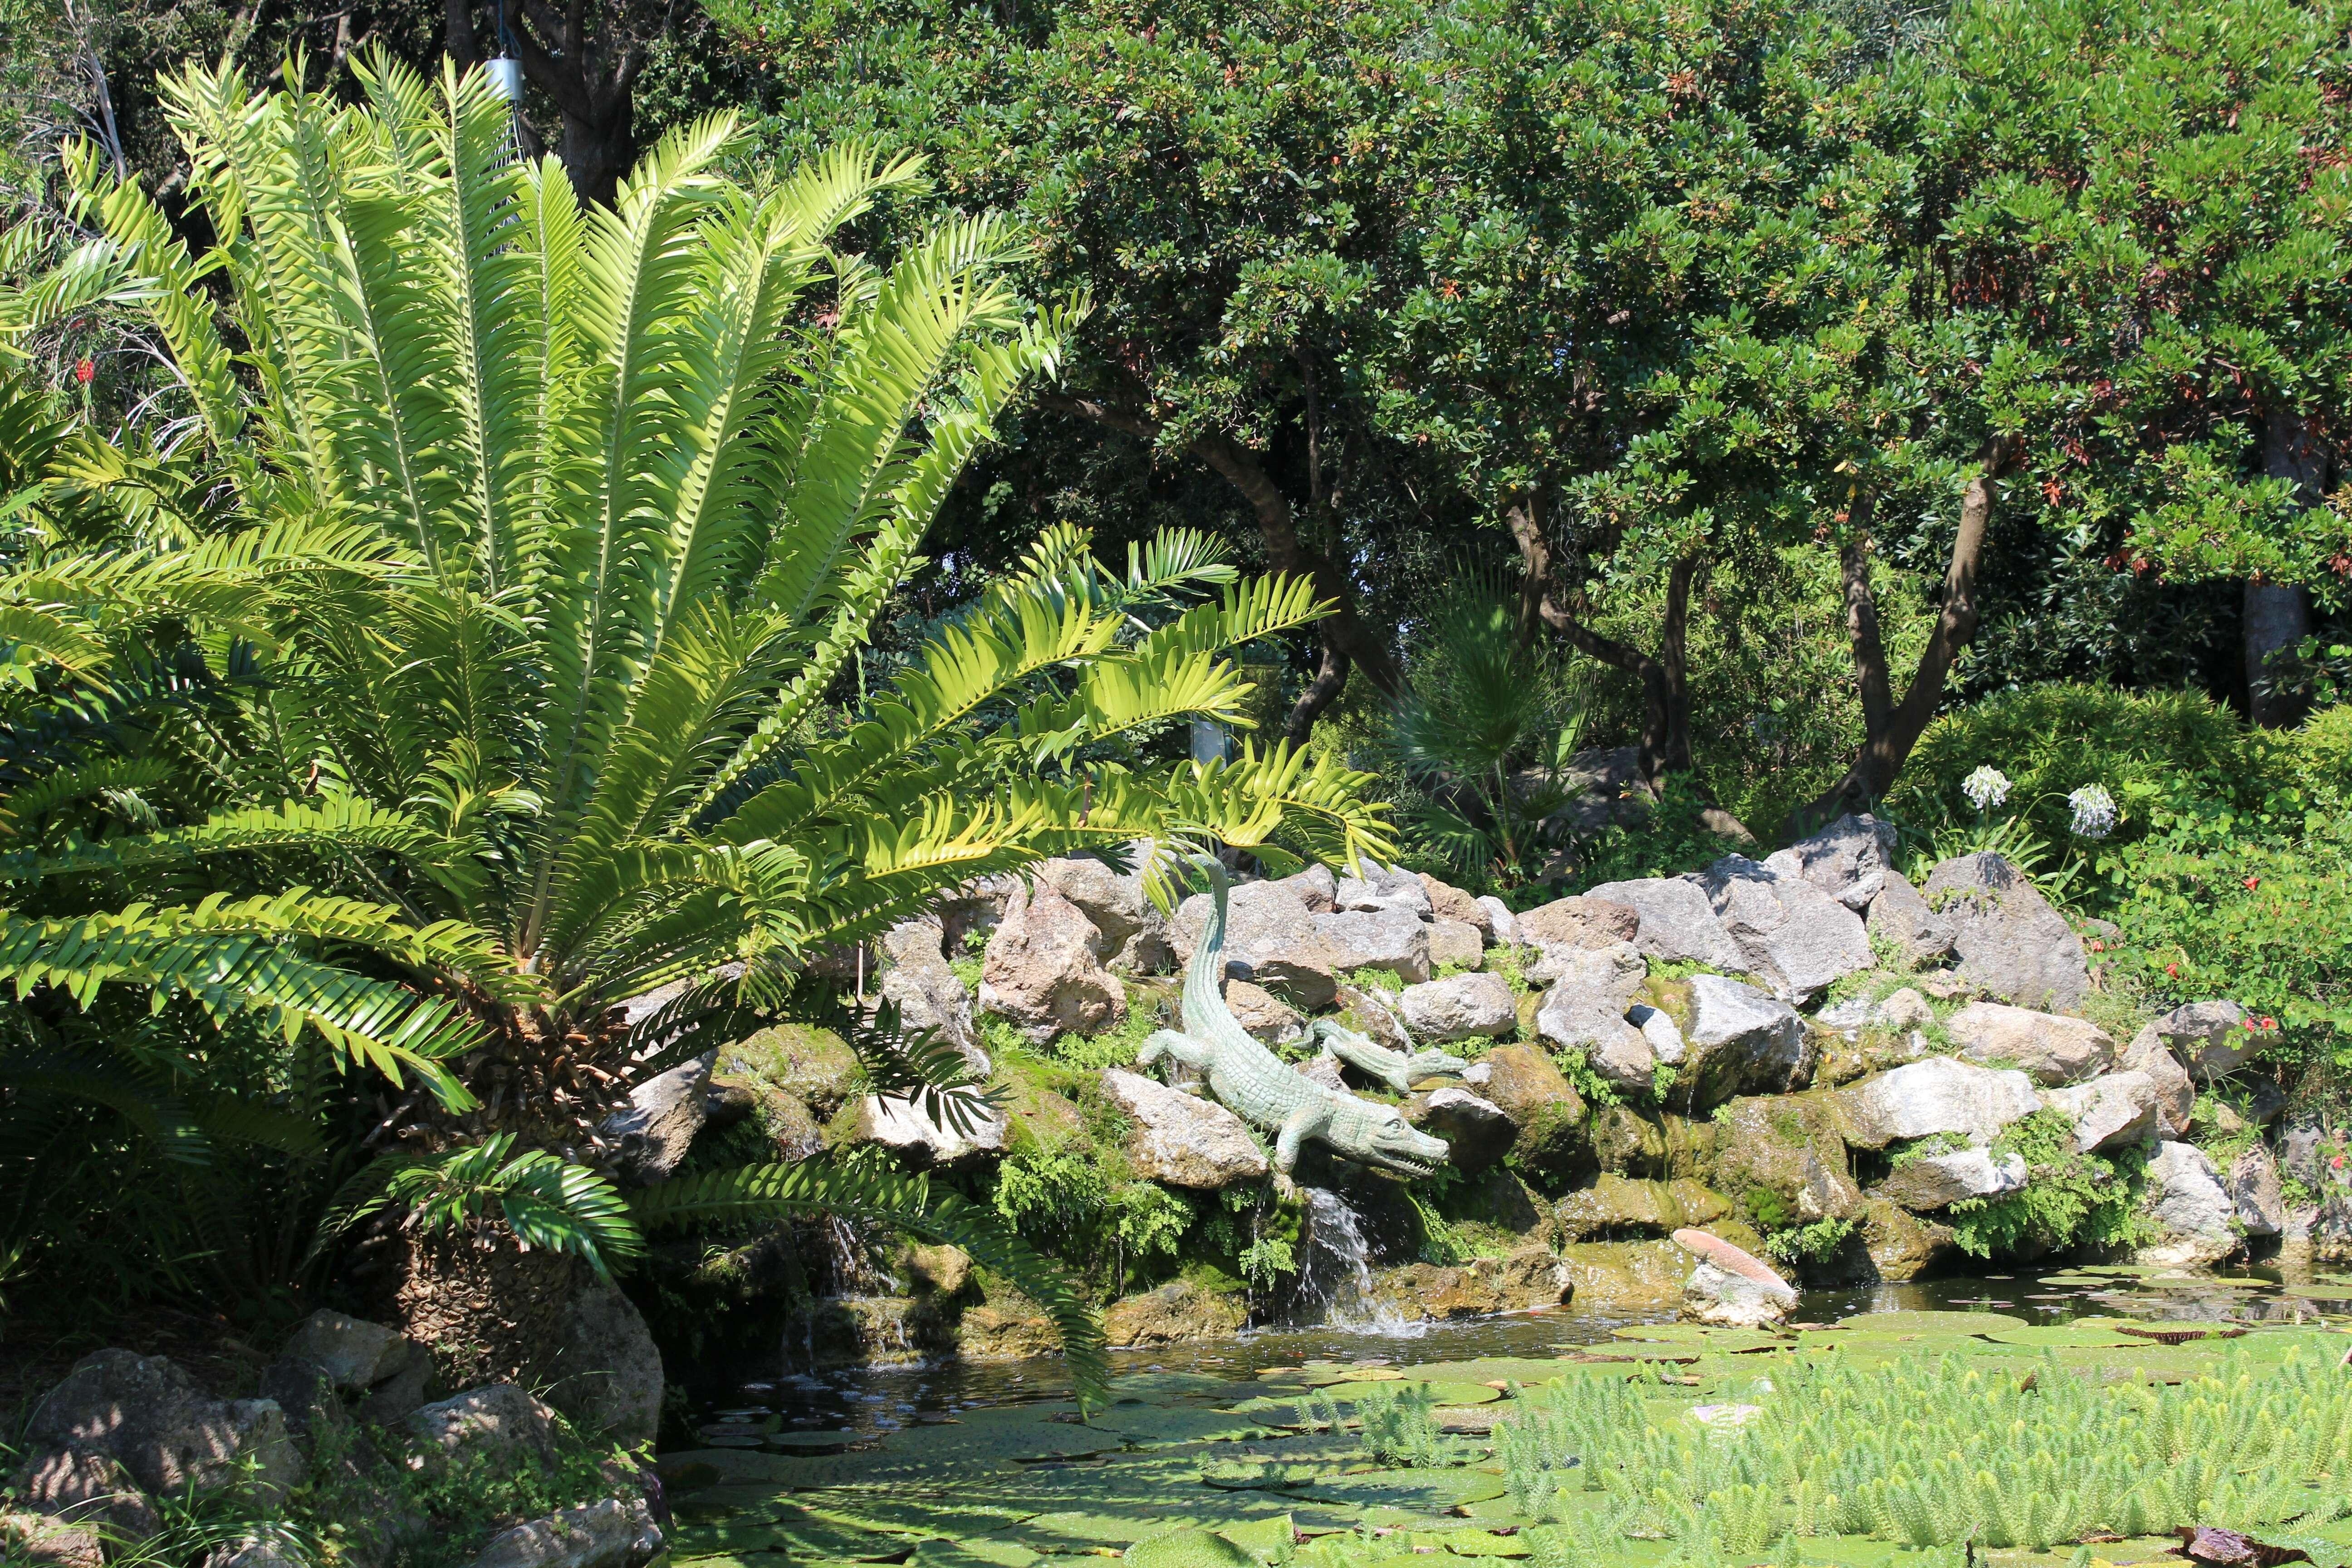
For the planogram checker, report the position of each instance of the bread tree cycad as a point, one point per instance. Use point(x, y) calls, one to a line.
point(593, 510)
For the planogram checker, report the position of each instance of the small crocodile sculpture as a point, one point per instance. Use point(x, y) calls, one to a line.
point(1253, 1081)
point(1394, 1068)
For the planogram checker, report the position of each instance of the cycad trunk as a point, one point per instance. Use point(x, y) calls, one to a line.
point(2278, 615)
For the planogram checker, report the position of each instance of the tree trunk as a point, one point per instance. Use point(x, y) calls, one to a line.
point(596, 102)
point(457, 32)
point(598, 146)
point(1887, 740)
point(2278, 615)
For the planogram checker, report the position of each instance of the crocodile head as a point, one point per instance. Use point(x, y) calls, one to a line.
point(1390, 1142)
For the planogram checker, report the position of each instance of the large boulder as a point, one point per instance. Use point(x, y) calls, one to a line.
point(1476, 1130)
point(1740, 1041)
point(147, 1415)
point(1598, 979)
point(1900, 1245)
point(498, 1425)
point(1041, 972)
point(1390, 889)
point(1791, 935)
point(1903, 921)
point(1616, 1206)
point(41, 1542)
point(812, 1066)
point(1112, 902)
point(1428, 1292)
point(1941, 1095)
point(1731, 1287)
point(1455, 942)
point(2047, 1047)
point(2191, 1207)
point(897, 1122)
point(1175, 1314)
point(2176, 1092)
point(1939, 1180)
point(1850, 859)
point(1541, 1103)
point(649, 1136)
point(2111, 1111)
point(2255, 1190)
point(1270, 941)
point(602, 1369)
point(1447, 902)
point(1785, 1151)
point(1262, 1014)
point(1391, 938)
point(1181, 1139)
point(1466, 1007)
point(1502, 925)
point(2012, 944)
point(354, 1354)
point(84, 1487)
point(1613, 1049)
point(1567, 926)
point(1676, 921)
point(2212, 1040)
point(917, 981)
point(608, 1533)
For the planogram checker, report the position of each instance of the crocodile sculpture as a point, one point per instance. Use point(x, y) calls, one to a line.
point(1394, 1068)
point(1254, 1083)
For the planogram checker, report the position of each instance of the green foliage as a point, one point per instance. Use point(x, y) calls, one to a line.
point(1674, 838)
point(546, 1203)
point(1816, 1243)
point(1399, 1426)
point(2070, 1199)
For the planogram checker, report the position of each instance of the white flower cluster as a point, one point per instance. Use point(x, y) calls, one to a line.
point(2095, 812)
point(1986, 788)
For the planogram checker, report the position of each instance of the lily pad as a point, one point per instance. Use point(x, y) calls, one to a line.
point(1188, 1548)
point(2073, 1335)
point(1922, 1322)
point(977, 1554)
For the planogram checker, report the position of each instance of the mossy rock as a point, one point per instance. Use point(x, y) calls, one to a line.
point(813, 1064)
point(1902, 1245)
point(1628, 1143)
point(1783, 1145)
point(1619, 1206)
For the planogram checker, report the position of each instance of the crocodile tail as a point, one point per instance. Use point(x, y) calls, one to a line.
point(1205, 992)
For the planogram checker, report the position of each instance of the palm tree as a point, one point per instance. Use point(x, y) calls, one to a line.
point(551, 534)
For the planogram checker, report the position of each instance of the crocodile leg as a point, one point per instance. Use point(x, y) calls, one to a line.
point(1302, 1123)
point(1168, 1043)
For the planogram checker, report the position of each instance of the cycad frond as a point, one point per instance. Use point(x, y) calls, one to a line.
point(338, 824)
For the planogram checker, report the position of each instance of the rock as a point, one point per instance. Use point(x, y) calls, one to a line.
point(1612, 1047)
point(149, 1415)
point(1477, 1131)
point(354, 1354)
point(2013, 944)
point(1524, 1082)
point(1455, 942)
point(1626, 1275)
point(1112, 902)
point(1944, 986)
point(1394, 938)
point(1658, 1028)
point(257, 1551)
point(609, 1534)
point(1740, 1041)
point(939, 1271)
point(1447, 902)
point(1502, 925)
point(1181, 1139)
point(916, 980)
point(606, 1372)
point(1939, 1180)
point(34, 1539)
point(1678, 924)
point(1599, 979)
point(1262, 1013)
point(1270, 941)
point(2117, 1109)
point(1466, 1007)
point(1941, 1094)
point(1902, 1010)
point(2048, 1049)
point(1425, 1292)
point(1718, 1297)
point(793, 1129)
point(1175, 1314)
point(84, 1487)
point(1617, 1206)
point(1326, 1069)
point(1316, 887)
point(499, 1422)
point(1791, 936)
point(2255, 1190)
point(1851, 859)
point(1787, 1146)
point(897, 1122)
point(1628, 1142)
point(1394, 889)
point(2186, 1199)
point(1577, 925)
point(1903, 921)
point(1041, 972)
point(2176, 1092)
point(2212, 1040)
point(1372, 1012)
point(1900, 1245)
point(650, 1137)
point(812, 1065)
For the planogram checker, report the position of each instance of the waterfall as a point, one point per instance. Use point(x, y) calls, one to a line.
point(1338, 1274)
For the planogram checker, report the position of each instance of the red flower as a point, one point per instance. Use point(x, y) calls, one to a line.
point(2269, 1023)
point(83, 371)
point(2251, 1024)
point(2252, 882)
point(2337, 1163)
point(2173, 970)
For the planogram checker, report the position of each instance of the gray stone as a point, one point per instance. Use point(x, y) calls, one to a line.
point(2047, 1047)
point(1181, 1139)
point(2186, 1199)
point(149, 1416)
point(2115, 1108)
point(1567, 926)
point(1714, 1295)
point(1448, 902)
point(1905, 1009)
point(1326, 1069)
point(354, 1354)
point(1113, 903)
point(651, 1136)
point(1792, 936)
point(257, 1551)
point(1850, 859)
point(1939, 1181)
point(1570, 1018)
point(1316, 887)
point(44, 1542)
point(1658, 1028)
point(916, 979)
point(1394, 938)
point(1677, 923)
point(2212, 1040)
point(1455, 942)
point(499, 1422)
point(1523, 1081)
point(1607, 978)
point(1263, 1015)
point(1846, 1018)
point(2255, 1190)
point(2301, 1150)
point(1477, 1130)
point(1941, 1095)
point(1270, 941)
point(609, 1534)
point(1902, 920)
point(84, 1487)
point(2013, 944)
point(1394, 889)
point(897, 1122)
point(1041, 972)
point(605, 1371)
point(2176, 1092)
point(1502, 925)
point(1740, 1041)
point(1466, 1007)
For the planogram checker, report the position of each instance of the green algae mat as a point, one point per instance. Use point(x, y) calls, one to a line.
point(1890, 1440)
